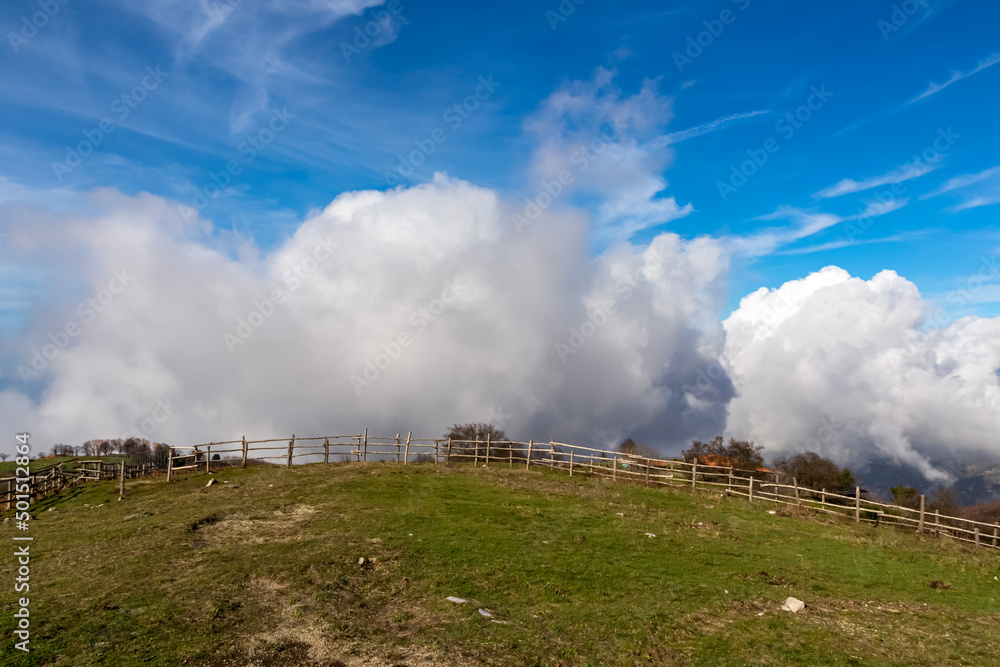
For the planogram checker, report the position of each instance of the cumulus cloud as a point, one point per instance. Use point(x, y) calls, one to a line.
point(402, 310)
point(847, 367)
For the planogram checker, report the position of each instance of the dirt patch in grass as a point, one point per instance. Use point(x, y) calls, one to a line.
point(244, 528)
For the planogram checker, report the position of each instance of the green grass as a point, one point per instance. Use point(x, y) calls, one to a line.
point(263, 569)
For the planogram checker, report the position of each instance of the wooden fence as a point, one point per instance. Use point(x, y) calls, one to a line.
point(43, 482)
point(755, 486)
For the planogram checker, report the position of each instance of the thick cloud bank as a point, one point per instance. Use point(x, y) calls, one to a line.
point(416, 308)
point(402, 310)
point(848, 367)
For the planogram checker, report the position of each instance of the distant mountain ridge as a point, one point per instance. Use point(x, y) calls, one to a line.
point(975, 481)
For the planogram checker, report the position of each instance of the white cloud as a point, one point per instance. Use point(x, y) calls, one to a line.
point(366, 269)
point(986, 194)
point(614, 149)
point(844, 366)
point(963, 181)
point(898, 175)
point(255, 44)
point(935, 88)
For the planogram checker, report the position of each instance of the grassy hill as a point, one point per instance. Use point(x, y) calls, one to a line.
point(263, 568)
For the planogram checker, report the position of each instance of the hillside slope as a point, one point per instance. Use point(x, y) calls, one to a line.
point(262, 568)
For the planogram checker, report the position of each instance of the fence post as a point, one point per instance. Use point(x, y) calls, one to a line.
point(447, 456)
point(475, 457)
point(208, 459)
point(366, 445)
point(244, 465)
point(937, 522)
point(857, 504)
point(614, 468)
point(121, 485)
point(920, 525)
point(489, 441)
point(406, 456)
point(291, 446)
point(510, 454)
point(995, 530)
point(170, 463)
point(694, 472)
point(798, 500)
point(326, 450)
point(751, 490)
point(976, 529)
point(647, 473)
point(822, 502)
point(729, 484)
point(527, 464)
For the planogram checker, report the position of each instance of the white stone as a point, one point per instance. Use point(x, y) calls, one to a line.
point(452, 598)
point(793, 605)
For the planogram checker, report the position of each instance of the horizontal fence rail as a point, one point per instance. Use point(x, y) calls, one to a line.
point(756, 486)
point(43, 482)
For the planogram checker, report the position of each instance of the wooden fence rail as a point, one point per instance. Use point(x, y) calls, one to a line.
point(755, 486)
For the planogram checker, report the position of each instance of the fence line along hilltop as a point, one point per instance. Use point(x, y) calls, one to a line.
point(755, 486)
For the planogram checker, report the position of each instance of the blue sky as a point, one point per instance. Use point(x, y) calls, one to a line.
point(638, 171)
point(228, 69)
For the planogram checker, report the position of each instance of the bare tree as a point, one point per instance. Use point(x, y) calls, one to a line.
point(463, 437)
point(4, 456)
point(811, 470)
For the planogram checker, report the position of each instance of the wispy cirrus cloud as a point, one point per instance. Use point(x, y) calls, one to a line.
point(963, 181)
point(805, 223)
point(935, 88)
point(849, 243)
point(849, 185)
point(706, 128)
point(985, 193)
point(766, 241)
